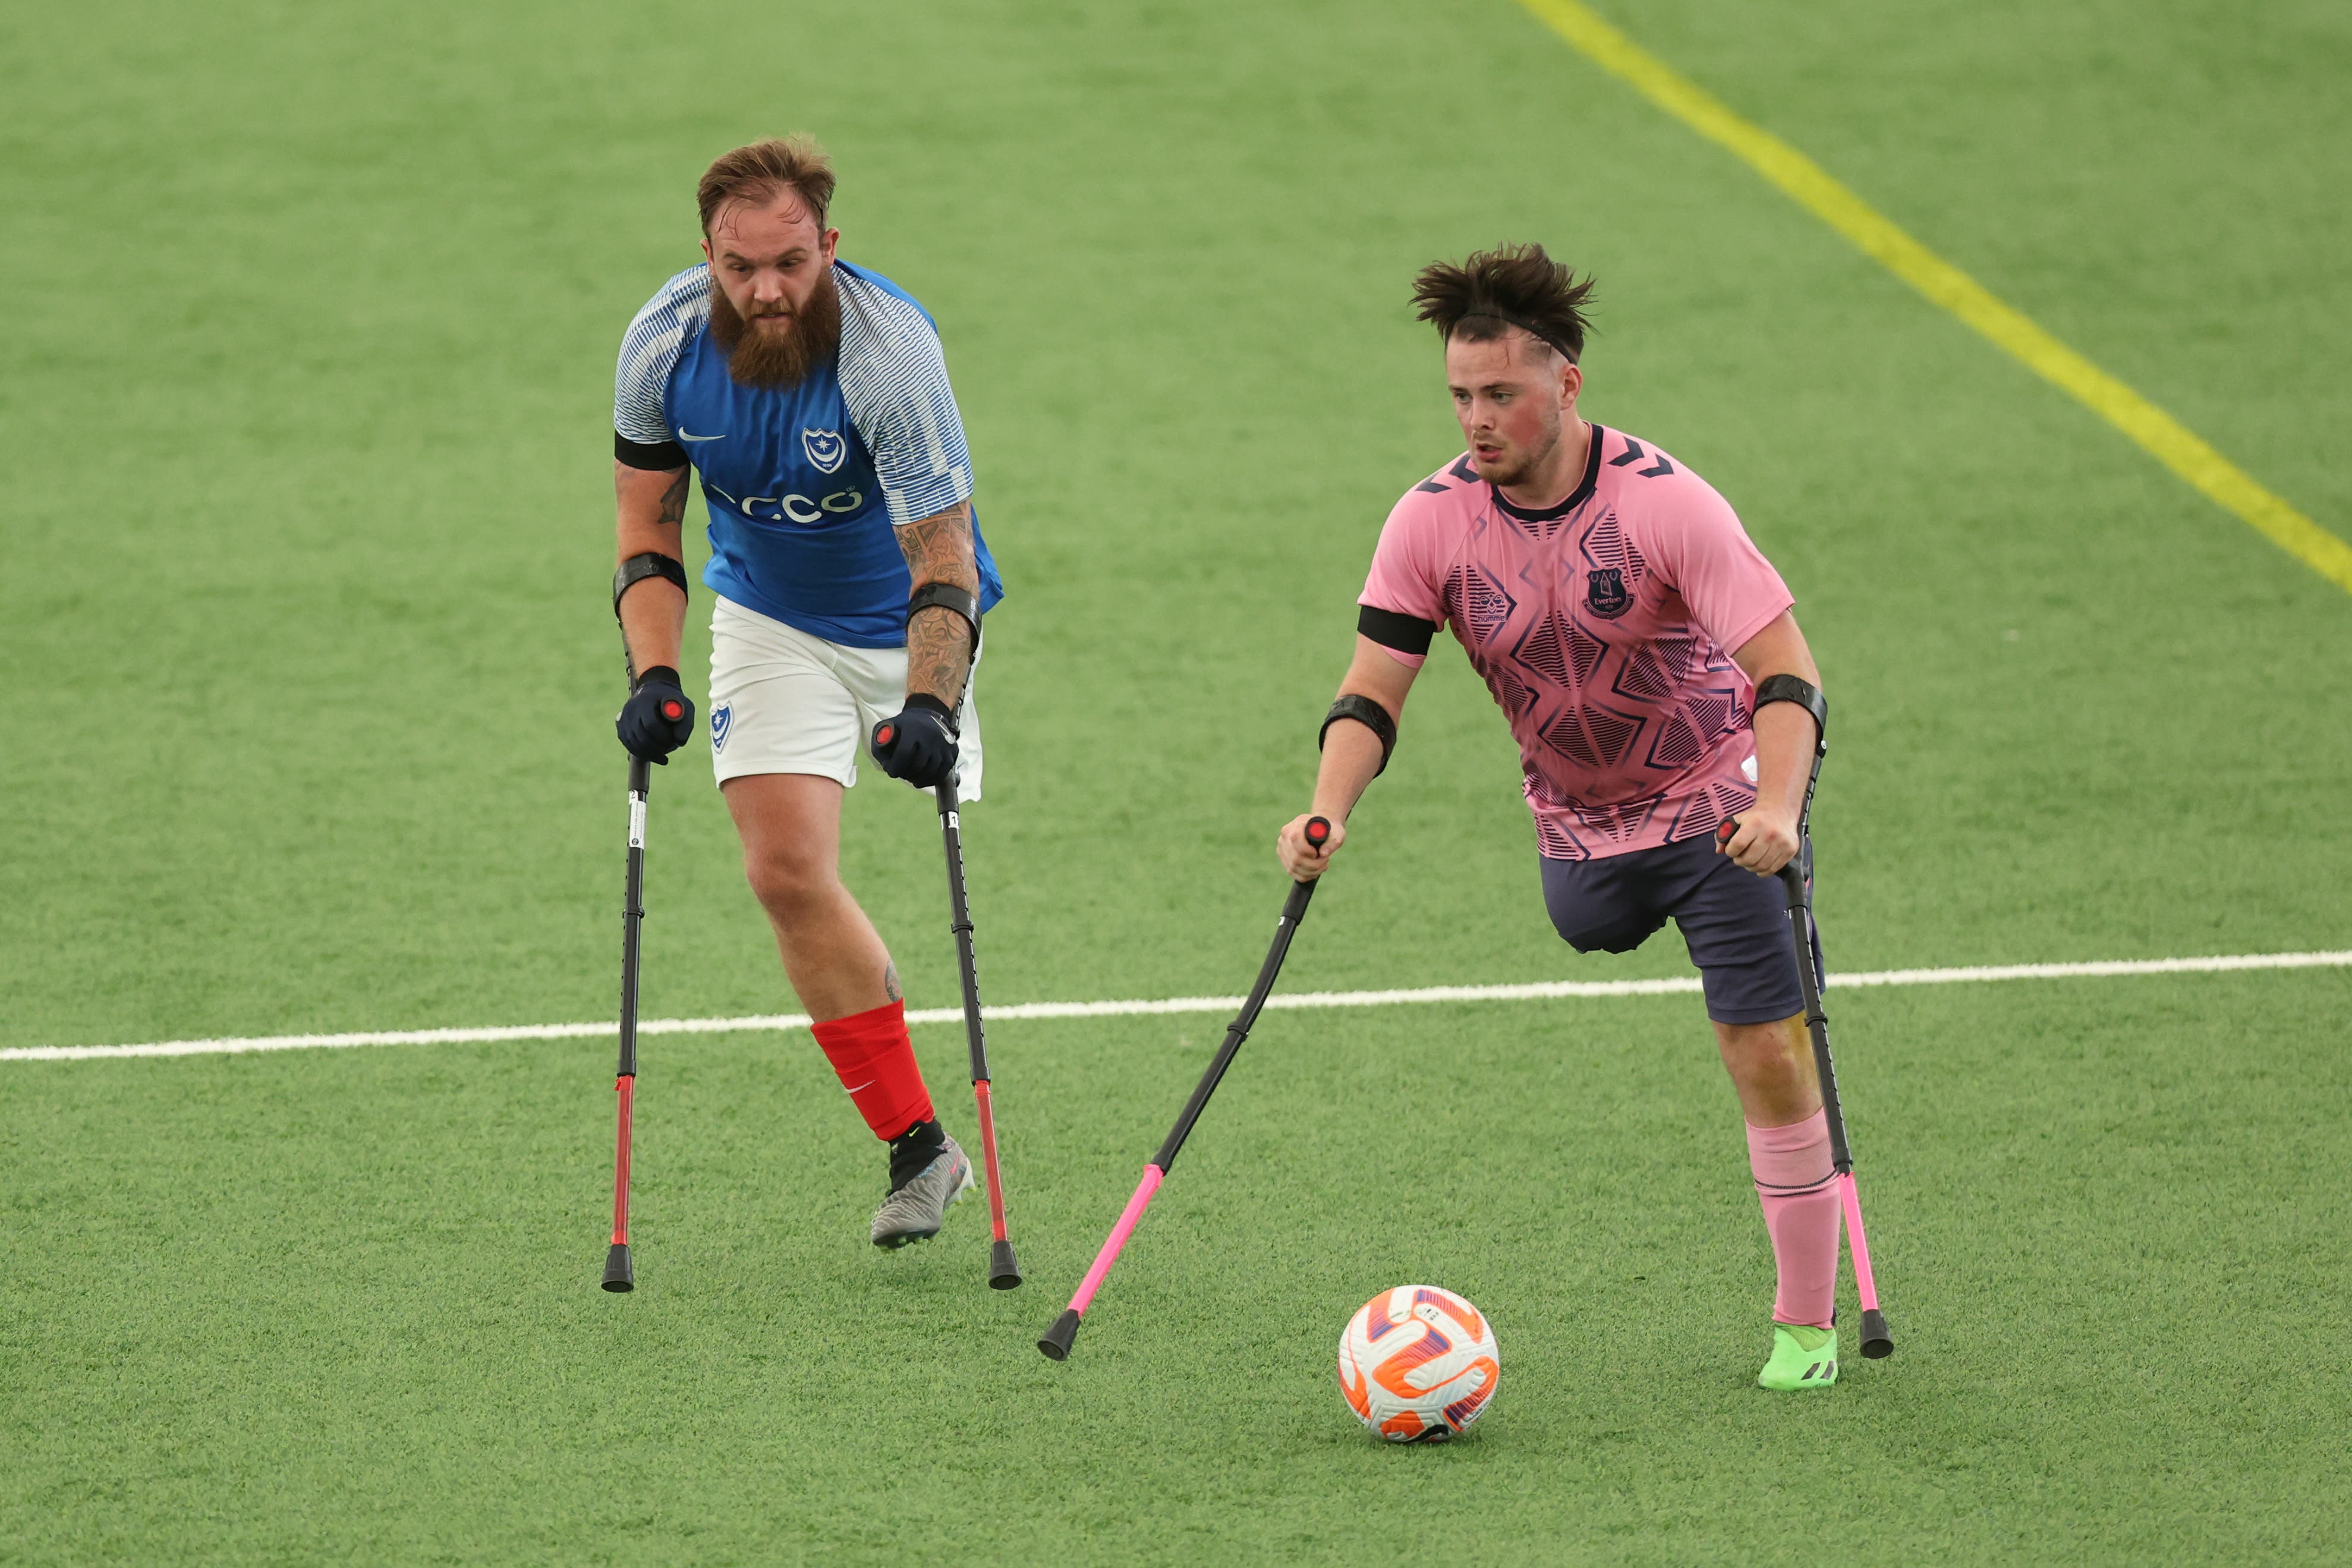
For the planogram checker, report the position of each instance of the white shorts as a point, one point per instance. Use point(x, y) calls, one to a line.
point(783, 702)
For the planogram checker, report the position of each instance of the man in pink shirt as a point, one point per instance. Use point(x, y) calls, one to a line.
point(1625, 624)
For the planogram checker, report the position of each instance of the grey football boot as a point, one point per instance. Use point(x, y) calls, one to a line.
point(913, 1213)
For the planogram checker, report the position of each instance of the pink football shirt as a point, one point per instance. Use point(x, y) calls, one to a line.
point(1603, 627)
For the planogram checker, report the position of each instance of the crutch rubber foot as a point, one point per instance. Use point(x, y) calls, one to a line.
point(1003, 1268)
point(618, 1275)
point(1876, 1343)
point(1056, 1342)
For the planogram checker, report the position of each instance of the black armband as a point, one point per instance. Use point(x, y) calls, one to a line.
point(658, 457)
point(1805, 695)
point(1371, 716)
point(1403, 633)
point(947, 596)
point(638, 568)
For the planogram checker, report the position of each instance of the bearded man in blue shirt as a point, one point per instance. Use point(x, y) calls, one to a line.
point(850, 578)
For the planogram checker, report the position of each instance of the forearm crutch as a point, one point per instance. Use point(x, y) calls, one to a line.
point(1875, 1340)
point(618, 1273)
point(1003, 1268)
point(1056, 1342)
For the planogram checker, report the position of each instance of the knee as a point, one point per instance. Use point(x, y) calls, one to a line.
point(789, 886)
point(1763, 1054)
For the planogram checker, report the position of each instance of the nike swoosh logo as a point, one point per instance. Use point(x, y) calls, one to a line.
point(684, 437)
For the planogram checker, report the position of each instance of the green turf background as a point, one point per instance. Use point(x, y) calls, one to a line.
point(310, 672)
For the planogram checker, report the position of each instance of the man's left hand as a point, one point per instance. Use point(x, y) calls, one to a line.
point(919, 744)
point(1766, 840)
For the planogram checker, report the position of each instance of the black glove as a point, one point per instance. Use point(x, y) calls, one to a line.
point(919, 744)
point(658, 717)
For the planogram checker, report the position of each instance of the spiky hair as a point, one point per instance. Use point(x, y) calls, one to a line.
point(1509, 286)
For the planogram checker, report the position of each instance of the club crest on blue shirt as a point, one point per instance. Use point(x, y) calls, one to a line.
point(1604, 593)
point(825, 448)
point(722, 718)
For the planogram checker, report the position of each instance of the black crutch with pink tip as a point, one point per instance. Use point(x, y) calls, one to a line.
point(1056, 1341)
point(1876, 1340)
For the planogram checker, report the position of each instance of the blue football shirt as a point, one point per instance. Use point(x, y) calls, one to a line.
point(805, 484)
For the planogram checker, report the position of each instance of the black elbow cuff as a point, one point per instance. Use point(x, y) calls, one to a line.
point(638, 568)
point(1805, 695)
point(1401, 633)
point(949, 597)
point(660, 458)
point(1371, 716)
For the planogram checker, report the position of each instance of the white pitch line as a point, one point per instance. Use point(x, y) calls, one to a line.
point(1540, 991)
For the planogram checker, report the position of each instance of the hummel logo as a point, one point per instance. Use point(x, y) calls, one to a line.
point(684, 437)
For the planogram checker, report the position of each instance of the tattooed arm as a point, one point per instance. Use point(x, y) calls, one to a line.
point(652, 508)
point(938, 644)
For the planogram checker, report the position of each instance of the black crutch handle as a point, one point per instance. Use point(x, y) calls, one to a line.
point(1318, 832)
point(1790, 876)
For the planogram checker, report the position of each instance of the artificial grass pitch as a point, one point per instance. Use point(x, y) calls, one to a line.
point(307, 722)
point(343, 1305)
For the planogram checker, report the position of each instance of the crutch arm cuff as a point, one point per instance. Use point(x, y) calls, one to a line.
point(1371, 716)
point(956, 602)
point(1804, 694)
point(644, 564)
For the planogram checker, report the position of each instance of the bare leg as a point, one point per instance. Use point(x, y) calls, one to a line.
point(1771, 1066)
point(790, 827)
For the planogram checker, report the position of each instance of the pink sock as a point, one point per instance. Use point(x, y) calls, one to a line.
point(1793, 1182)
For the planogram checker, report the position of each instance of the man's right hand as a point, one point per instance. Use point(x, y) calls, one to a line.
point(658, 717)
point(1302, 859)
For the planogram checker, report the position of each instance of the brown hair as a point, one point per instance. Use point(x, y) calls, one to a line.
point(765, 170)
point(1509, 286)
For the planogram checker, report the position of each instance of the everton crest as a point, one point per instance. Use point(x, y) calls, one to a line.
point(1604, 593)
point(825, 448)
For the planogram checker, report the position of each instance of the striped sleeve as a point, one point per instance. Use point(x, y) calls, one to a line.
point(650, 351)
point(894, 378)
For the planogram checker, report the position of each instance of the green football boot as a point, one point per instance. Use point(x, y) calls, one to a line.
point(1803, 1357)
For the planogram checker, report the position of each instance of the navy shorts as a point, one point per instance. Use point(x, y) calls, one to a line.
point(1734, 922)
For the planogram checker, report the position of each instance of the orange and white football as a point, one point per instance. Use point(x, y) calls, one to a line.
point(1418, 1364)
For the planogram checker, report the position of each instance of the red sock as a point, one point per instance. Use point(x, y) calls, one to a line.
point(875, 1060)
point(1800, 1213)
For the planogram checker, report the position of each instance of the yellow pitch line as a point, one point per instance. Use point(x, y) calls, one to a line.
point(2162, 437)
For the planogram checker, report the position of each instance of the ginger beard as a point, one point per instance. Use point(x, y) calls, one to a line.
point(768, 357)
